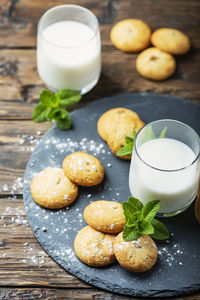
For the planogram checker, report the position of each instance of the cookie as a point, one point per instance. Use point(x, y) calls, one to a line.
point(52, 189)
point(197, 207)
point(171, 40)
point(105, 216)
point(94, 248)
point(155, 64)
point(136, 256)
point(130, 35)
point(83, 169)
point(117, 123)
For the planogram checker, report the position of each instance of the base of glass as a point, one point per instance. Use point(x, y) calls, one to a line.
point(83, 91)
point(172, 214)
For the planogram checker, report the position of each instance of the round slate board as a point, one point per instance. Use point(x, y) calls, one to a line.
point(177, 270)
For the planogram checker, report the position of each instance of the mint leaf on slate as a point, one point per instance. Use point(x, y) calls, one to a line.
point(162, 134)
point(140, 220)
point(160, 230)
point(128, 148)
point(150, 209)
point(52, 107)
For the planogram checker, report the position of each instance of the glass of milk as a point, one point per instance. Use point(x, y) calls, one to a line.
point(165, 165)
point(69, 48)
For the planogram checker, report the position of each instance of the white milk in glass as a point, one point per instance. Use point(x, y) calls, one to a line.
point(175, 189)
point(68, 56)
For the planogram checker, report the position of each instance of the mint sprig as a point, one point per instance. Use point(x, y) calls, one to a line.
point(53, 107)
point(140, 220)
point(147, 136)
point(128, 148)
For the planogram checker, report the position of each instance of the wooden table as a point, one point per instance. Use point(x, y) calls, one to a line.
point(26, 271)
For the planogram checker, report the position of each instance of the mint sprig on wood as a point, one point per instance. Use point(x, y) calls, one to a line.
point(140, 220)
point(53, 107)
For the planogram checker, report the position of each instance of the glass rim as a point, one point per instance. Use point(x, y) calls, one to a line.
point(68, 6)
point(164, 170)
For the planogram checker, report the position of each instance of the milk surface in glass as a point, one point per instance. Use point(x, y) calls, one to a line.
point(162, 171)
point(68, 56)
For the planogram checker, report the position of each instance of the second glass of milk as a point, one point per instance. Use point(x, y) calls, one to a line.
point(69, 48)
point(166, 168)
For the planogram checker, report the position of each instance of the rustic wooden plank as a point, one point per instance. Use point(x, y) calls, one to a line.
point(22, 259)
point(19, 18)
point(71, 294)
point(19, 79)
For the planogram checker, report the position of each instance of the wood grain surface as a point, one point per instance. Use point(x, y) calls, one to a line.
point(26, 271)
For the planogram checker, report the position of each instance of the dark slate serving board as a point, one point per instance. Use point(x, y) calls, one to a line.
point(177, 270)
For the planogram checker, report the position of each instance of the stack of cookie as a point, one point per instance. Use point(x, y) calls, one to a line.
point(117, 123)
point(56, 188)
point(158, 62)
point(97, 244)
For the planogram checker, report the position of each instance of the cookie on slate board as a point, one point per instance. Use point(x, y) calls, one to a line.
point(94, 248)
point(171, 40)
point(130, 35)
point(105, 216)
point(138, 255)
point(52, 189)
point(155, 64)
point(117, 123)
point(197, 207)
point(83, 169)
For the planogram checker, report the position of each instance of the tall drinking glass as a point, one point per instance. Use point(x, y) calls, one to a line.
point(69, 48)
point(165, 165)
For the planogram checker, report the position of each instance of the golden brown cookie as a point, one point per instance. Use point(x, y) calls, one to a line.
point(117, 123)
point(130, 35)
point(197, 207)
point(52, 189)
point(105, 216)
point(94, 248)
point(83, 169)
point(171, 40)
point(155, 64)
point(138, 255)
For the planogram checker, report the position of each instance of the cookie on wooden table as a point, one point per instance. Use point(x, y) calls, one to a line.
point(130, 35)
point(94, 248)
point(138, 255)
point(105, 216)
point(197, 207)
point(117, 123)
point(83, 169)
point(171, 40)
point(52, 189)
point(155, 64)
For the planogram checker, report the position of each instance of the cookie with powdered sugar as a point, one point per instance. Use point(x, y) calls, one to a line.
point(94, 248)
point(105, 216)
point(52, 189)
point(83, 168)
point(138, 255)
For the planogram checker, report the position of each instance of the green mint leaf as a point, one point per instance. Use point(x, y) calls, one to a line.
point(160, 230)
point(130, 233)
point(129, 139)
point(150, 209)
point(126, 150)
point(145, 227)
point(49, 99)
point(162, 135)
point(68, 97)
point(65, 123)
point(134, 133)
point(135, 203)
point(40, 113)
point(146, 135)
point(130, 213)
